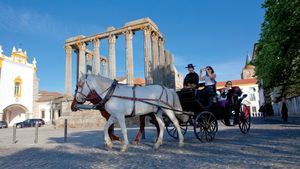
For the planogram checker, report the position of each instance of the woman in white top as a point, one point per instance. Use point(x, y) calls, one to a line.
point(210, 84)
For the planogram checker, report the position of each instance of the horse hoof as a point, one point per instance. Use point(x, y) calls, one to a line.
point(156, 146)
point(181, 144)
point(109, 146)
point(124, 148)
point(135, 143)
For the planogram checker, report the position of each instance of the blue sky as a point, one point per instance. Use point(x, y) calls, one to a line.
point(204, 32)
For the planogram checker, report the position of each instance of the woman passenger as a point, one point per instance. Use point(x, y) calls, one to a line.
point(210, 84)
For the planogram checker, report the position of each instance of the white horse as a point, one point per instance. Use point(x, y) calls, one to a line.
point(118, 107)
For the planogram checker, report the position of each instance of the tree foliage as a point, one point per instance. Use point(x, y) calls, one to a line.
point(278, 51)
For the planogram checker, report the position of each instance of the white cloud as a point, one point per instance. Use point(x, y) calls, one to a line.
point(22, 20)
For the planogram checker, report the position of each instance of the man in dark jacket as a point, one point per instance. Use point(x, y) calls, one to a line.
point(191, 80)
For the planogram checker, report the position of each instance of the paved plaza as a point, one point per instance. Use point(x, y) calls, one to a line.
point(270, 144)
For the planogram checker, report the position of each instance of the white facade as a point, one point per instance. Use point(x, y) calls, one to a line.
point(45, 111)
point(253, 97)
point(17, 78)
point(178, 79)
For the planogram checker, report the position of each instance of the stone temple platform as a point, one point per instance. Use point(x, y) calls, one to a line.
point(82, 119)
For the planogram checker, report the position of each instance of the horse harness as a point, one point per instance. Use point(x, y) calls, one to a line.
point(101, 102)
point(134, 99)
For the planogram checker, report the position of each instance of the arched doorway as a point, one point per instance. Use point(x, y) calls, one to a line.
point(15, 113)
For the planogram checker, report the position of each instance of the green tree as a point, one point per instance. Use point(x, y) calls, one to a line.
point(278, 53)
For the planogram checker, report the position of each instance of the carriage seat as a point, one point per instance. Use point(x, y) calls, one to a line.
point(187, 94)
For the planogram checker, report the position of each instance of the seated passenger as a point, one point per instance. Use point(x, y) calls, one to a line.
point(226, 101)
point(210, 85)
point(225, 90)
point(191, 80)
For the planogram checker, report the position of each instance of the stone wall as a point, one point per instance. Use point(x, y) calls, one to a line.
point(82, 119)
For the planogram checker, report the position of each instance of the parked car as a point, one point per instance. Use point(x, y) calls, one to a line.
point(29, 123)
point(3, 124)
point(42, 121)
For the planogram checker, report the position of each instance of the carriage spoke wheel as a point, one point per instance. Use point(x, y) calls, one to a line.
point(205, 126)
point(171, 129)
point(245, 122)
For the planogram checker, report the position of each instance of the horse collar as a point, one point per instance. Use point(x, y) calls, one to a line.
point(108, 95)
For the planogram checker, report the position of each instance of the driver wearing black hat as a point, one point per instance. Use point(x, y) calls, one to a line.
point(191, 80)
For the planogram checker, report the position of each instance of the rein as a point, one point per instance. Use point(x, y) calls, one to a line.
point(142, 99)
point(101, 103)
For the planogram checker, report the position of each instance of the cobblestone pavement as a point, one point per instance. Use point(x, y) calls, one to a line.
point(270, 144)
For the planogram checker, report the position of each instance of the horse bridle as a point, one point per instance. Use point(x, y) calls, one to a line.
point(87, 97)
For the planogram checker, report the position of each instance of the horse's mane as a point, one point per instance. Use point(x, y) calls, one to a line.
point(97, 81)
point(102, 78)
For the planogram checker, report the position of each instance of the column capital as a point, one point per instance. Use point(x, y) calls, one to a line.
point(161, 41)
point(154, 36)
point(147, 30)
point(68, 49)
point(128, 34)
point(112, 39)
point(81, 46)
point(96, 43)
point(89, 55)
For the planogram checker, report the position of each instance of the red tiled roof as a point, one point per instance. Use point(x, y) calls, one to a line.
point(48, 96)
point(238, 82)
point(139, 81)
point(119, 79)
point(136, 81)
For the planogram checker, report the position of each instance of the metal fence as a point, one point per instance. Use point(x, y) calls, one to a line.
point(293, 106)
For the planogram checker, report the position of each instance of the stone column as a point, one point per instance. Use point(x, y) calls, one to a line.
point(171, 60)
point(129, 57)
point(1, 115)
point(155, 60)
point(89, 57)
point(161, 60)
point(147, 56)
point(105, 69)
point(112, 56)
point(161, 44)
point(81, 59)
point(68, 71)
point(96, 53)
point(167, 57)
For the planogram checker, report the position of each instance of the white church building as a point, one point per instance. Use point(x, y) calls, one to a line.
point(18, 87)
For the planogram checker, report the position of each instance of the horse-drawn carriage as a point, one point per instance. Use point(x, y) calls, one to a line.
point(205, 120)
point(120, 101)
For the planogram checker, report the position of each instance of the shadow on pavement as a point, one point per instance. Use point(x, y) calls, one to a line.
point(261, 148)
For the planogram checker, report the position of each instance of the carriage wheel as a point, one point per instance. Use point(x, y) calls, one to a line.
point(205, 126)
point(245, 122)
point(171, 129)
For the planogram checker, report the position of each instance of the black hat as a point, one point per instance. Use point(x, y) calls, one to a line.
point(190, 66)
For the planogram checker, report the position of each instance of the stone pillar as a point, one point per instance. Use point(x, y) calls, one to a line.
point(105, 69)
point(161, 60)
point(112, 56)
point(147, 56)
point(68, 71)
point(155, 60)
point(171, 60)
point(89, 63)
point(81, 59)
point(96, 53)
point(129, 57)
point(1, 116)
point(167, 78)
point(167, 57)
